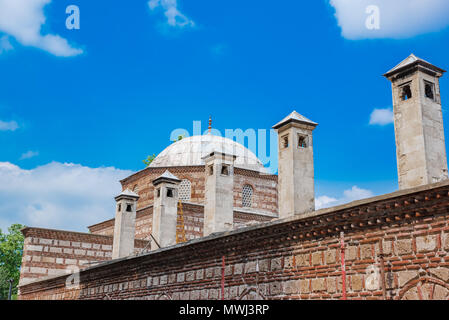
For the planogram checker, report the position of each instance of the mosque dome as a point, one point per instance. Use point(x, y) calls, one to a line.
point(190, 151)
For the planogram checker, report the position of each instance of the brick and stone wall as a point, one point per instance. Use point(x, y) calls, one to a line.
point(143, 224)
point(142, 183)
point(51, 252)
point(193, 221)
point(265, 193)
point(294, 258)
point(264, 186)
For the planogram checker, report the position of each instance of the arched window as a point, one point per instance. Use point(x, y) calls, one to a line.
point(247, 196)
point(185, 190)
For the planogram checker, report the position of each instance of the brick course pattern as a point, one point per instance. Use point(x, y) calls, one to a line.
point(53, 252)
point(193, 222)
point(264, 185)
point(294, 258)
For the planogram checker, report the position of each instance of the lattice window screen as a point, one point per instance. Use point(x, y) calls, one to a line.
point(185, 190)
point(247, 196)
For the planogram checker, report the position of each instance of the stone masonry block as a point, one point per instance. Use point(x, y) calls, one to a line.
point(199, 274)
point(35, 248)
point(250, 267)
point(48, 259)
point(426, 243)
point(180, 277)
point(288, 262)
point(238, 268)
point(446, 241)
point(365, 251)
point(228, 270)
point(331, 256)
point(233, 292)
point(403, 247)
point(276, 264)
point(302, 260)
point(351, 253)
point(406, 276)
point(316, 258)
point(264, 265)
point(190, 275)
point(45, 241)
point(292, 287)
point(331, 284)
point(441, 273)
point(209, 272)
point(356, 283)
point(275, 288)
point(304, 286)
point(318, 285)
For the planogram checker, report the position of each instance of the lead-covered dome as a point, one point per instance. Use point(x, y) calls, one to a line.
point(190, 151)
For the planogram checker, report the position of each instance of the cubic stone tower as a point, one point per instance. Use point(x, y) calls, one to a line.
point(124, 227)
point(296, 189)
point(165, 210)
point(418, 123)
point(219, 196)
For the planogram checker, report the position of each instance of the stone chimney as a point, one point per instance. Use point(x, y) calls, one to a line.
point(296, 189)
point(418, 122)
point(124, 228)
point(219, 192)
point(165, 210)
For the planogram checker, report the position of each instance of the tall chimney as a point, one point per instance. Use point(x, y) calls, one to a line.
point(418, 122)
point(296, 189)
point(219, 192)
point(165, 210)
point(124, 228)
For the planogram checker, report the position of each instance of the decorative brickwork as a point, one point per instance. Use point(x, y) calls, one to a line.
point(193, 222)
point(294, 258)
point(51, 252)
point(264, 186)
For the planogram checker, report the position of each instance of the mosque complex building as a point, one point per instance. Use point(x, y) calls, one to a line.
point(205, 220)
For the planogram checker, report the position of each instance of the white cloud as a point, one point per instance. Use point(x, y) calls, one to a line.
point(353, 194)
point(23, 19)
point(174, 17)
point(58, 195)
point(29, 154)
point(5, 44)
point(397, 18)
point(324, 202)
point(8, 125)
point(381, 117)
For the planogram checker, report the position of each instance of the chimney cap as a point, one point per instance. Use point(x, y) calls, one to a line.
point(167, 176)
point(412, 61)
point(127, 194)
point(294, 117)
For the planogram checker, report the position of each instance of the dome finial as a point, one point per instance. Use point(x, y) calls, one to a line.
point(210, 124)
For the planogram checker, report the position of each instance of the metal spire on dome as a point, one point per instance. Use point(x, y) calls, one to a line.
point(210, 124)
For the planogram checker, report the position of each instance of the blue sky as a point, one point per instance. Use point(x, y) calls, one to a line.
point(105, 96)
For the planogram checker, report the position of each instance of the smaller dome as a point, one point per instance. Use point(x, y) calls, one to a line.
point(190, 151)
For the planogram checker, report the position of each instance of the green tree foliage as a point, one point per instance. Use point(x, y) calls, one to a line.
point(11, 249)
point(149, 159)
point(180, 137)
